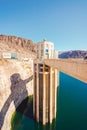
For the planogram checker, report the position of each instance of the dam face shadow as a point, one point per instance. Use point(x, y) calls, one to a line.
point(18, 93)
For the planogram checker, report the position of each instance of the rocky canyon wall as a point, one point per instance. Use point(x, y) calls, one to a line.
point(16, 76)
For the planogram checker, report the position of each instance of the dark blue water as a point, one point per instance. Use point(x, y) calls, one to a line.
point(71, 108)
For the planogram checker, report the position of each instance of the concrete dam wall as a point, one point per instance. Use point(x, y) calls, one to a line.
point(16, 83)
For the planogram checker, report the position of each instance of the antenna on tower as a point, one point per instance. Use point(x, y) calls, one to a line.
point(44, 39)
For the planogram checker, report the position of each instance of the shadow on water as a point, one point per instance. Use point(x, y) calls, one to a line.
point(26, 107)
point(18, 90)
point(23, 118)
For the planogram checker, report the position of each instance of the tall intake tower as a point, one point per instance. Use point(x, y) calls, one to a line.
point(45, 93)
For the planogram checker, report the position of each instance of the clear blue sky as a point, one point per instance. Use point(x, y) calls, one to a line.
point(63, 22)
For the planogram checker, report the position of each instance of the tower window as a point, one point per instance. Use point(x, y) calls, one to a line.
point(46, 50)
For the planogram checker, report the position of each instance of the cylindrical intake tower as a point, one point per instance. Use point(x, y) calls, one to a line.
point(45, 93)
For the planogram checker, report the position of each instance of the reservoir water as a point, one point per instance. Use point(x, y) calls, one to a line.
point(71, 108)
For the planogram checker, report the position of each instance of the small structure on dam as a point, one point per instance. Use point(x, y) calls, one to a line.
point(45, 85)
